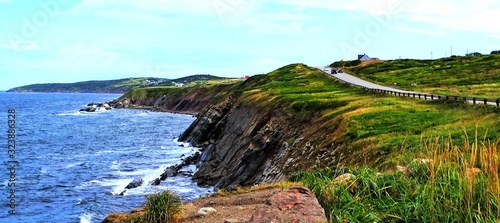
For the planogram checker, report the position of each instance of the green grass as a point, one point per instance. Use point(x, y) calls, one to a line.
point(475, 76)
point(162, 207)
point(336, 124)
point(452, 184)
point(335, 118)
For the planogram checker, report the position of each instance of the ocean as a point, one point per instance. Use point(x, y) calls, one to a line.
point(62, 165)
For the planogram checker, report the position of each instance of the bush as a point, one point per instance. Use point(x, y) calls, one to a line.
point(162, 207)
point(495, 52)
point(349, 63)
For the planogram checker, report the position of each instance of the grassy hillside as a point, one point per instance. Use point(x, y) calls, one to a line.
point(114, 86)
point(373, 129)
point(109, 86)
point(439, 160)
point(477, 76)
point(446, 151)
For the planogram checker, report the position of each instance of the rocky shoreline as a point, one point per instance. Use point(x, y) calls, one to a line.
point(242, 143)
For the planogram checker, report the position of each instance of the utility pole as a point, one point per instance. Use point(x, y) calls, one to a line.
point(451, 51)
point(431, 55)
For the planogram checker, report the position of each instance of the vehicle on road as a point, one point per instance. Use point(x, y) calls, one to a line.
point(340, 71)
point(333, 71)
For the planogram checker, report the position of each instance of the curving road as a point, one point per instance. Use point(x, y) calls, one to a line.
point(366, 84)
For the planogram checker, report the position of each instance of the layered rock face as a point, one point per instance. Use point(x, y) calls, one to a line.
point(242, 145)
point(190, 102)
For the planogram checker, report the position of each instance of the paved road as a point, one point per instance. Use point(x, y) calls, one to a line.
point(362, 83)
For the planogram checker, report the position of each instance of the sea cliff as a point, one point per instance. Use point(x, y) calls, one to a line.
point(246, 139)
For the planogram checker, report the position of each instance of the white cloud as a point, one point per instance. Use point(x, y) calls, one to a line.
point(454, 15)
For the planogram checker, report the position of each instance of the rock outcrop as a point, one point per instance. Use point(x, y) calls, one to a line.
point(180, 101)
point(92, 107)
point(297, 204)
point(242, 145)
point(245, 138)
point(176, 170)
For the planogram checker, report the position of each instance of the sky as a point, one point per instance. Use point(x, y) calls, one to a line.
point(64, 41)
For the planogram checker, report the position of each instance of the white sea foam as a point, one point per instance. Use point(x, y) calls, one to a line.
point(145, 113)
point(70, 113)
point(86, 218)
point(74, 164)
point(88, 184)
point(115, 165)
point(104, 152)
point(118, 185)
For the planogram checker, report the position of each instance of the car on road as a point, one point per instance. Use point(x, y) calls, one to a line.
point(340, 71)
point(333, 71)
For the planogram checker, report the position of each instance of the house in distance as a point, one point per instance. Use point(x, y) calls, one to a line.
point(364, 57)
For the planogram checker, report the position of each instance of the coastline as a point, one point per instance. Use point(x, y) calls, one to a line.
point(156, 109)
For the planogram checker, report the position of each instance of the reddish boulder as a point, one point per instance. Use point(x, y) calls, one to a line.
point(297, 204)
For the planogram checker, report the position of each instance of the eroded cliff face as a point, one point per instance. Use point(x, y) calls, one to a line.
point(247, 139)
point(242, 145)
point(189, 101)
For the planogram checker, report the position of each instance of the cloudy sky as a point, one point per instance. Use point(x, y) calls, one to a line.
point(60, 41)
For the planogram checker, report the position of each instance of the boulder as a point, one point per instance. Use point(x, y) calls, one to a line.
point(297, 204)
point(205, 210)
point(156, 182)
point(106, 106)
point(346, 180)
point(116, 218)
point(89, 109)
point(135, 183)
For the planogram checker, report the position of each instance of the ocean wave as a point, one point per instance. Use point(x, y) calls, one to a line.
point(72, 113)
point(86, 217)
point(117, 186)
point(75, 164)
point(89, 183)
point(104, 151)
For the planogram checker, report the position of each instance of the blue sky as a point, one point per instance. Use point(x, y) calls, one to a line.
point(61, 41)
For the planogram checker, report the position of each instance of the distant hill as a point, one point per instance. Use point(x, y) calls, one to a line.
point(111, 86)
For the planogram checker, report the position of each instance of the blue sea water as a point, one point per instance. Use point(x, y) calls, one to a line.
point(72, 166)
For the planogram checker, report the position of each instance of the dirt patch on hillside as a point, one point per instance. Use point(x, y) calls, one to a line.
point(368, 62)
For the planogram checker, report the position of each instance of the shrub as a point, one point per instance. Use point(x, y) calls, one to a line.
point(349, 63)
point(162, 207)
point(495, 52)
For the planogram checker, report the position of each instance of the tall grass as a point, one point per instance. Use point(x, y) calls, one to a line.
point(446, 183)
point(162, 207)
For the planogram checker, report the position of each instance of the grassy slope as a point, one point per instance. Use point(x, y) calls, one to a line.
point(115, 86)
point(201, 89)
point(372, 128)
point(477, 76)
point(381, 131)
point(112, 86)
